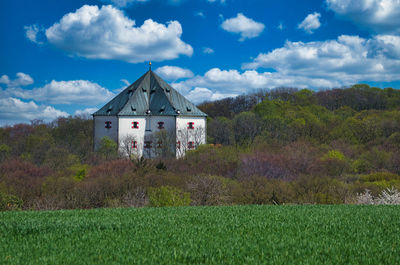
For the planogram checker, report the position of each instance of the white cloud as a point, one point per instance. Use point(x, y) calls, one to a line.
point(280, 26)
point(64, 92)
point(31, 33)
point(320, 64)
point(85, 112)
point(173, 72)
point(310, 23)
point(208, 50)
point(201, 94)
point(246, 27)
point(347, 60)
point(106, 33)
point(124, 3)
point(199, 14)
point(233, 82)
point(381, 16)
point(13, 110)
point(126, 82)
point(21, 80)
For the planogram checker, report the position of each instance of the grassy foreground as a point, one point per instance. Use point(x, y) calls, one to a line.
point(212, 235)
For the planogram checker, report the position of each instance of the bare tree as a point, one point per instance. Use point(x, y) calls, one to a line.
point(189, 139)
point(129, 146)
point(164, 143)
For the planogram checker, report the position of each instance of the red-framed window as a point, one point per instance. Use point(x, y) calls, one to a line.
point(178, 145)
point(160, 125)
point(159, 144)
point(190, 125)
point(190, 145)
point(108, 124)
point(147, 144)
point(134, 144)
point(135, 125)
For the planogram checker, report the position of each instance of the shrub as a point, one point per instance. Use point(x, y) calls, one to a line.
point(207, 190)
point(389, 196)
point(9, 202)
point(168, 196)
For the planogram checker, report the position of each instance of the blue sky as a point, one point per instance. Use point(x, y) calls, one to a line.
point(69, 57)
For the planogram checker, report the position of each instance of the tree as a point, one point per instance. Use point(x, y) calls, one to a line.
point(246, 127)
point(220, 131)
point(168, 196)
point(129, 147)
point(108, 148)
point(164, 143)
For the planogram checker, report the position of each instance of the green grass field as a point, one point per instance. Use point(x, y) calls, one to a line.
point(210, 235)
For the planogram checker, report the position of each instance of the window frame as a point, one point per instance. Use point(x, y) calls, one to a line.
point(108, 125)
point(190, 125)
point(147, 144)
point(160, 125)
point(135, 125)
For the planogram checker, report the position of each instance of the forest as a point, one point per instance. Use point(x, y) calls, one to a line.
point(280, 146)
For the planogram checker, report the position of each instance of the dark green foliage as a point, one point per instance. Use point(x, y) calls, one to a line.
point(203, 235)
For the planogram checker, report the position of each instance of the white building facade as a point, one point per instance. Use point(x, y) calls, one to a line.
point(150, 118)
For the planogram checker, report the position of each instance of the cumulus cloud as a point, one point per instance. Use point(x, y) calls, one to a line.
point(320, 64)
point(64, 92)
point(246, 27)
point(381, 16)
point(208, 50)
point(347, 60)
point(85, 112)
point(124, 3)
point(173, 72)
point(310, 23)
point(31, 33)
point(225, 83)
point(14, 110)
point(201, 94)
point(21, 80)
point(106, 33)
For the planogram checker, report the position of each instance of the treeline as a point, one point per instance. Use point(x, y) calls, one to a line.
point(272, 147)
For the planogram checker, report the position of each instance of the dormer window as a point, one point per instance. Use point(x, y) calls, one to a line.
point(147, 144)
point(160, 125)
point(108, 124)
point(190, 145)
point(190, 125)
point(134, 144)
point(135, 125)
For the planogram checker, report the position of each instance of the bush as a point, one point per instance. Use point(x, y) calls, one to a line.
point(168, 196)
point(389, 196)
point(9, 202)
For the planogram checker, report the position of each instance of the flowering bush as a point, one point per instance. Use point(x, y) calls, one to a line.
point(388, 196)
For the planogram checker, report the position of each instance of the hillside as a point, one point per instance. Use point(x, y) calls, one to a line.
point(279, 146)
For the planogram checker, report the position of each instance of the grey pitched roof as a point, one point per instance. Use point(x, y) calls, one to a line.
point(152, 93)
